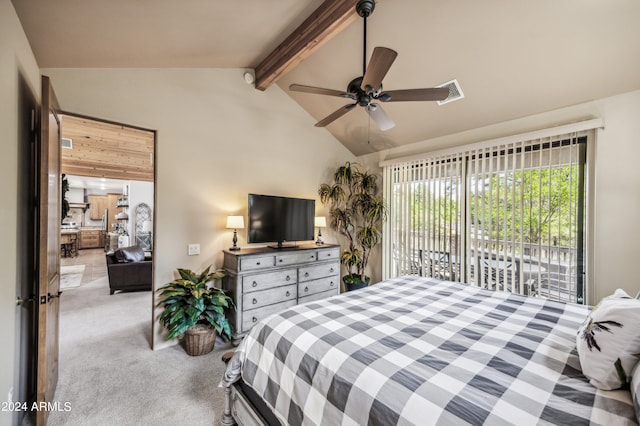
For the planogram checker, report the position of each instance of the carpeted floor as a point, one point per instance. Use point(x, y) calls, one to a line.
point(109, 375)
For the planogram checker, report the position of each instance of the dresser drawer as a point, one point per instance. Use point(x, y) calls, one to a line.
point(249, 318)
point(308, 288)
point(317, 296)
point(333, 253)
point(307, 273)
point(258, 299)
point(253, 263)
point(268, 280)
point(296, 258)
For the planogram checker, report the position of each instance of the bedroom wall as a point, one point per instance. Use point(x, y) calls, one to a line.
point(616, 174)
point(217, 140)
point(18, 72)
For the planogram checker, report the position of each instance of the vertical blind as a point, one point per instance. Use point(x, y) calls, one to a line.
point(504, 217)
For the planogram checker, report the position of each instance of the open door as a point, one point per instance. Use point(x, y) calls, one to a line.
point(49, 211)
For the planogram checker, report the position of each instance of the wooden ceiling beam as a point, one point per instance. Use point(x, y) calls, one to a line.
point(322, 25)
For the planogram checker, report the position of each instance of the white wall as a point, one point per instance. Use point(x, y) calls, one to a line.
point(16, 62)
point(616, 228)
point(217, 140)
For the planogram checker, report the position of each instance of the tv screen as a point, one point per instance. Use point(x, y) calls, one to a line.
point(274, 219)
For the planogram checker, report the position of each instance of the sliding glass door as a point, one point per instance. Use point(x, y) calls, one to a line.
point(509, 217)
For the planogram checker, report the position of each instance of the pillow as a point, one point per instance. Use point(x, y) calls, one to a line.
point(635, 391)
point(608, 341)
point(129, 254)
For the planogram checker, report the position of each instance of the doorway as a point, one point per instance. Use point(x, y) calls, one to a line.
point(109, 194)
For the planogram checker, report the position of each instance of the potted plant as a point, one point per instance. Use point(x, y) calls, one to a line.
point(194, 310)
point(356, 212)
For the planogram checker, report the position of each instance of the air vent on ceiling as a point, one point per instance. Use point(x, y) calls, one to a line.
point(66, 143)
point(455, 92)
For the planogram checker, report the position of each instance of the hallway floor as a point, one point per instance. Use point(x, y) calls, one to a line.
point(94, 261)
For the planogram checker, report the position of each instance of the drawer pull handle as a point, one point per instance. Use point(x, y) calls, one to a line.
point(331, 270)
point(258, 263)
point(254, 284)
point(288, 278)
point(288, 293)
point(280, 260)
point(306, 289)
point(255, 300)
point(312, 257)
point(254, 319)
point(306, 274)
point(331, 284)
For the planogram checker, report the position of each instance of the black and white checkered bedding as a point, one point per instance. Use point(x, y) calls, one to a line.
point(422, 351)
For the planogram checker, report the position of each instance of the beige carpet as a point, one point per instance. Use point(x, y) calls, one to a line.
point(109, 375)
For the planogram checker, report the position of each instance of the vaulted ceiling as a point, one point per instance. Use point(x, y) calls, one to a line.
point(512, 58)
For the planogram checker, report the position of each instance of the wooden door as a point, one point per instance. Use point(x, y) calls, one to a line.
point(49, 206)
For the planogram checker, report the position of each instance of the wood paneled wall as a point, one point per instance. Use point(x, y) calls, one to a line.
point(107, 150)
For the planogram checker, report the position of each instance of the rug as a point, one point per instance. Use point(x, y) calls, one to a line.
point(71, 276)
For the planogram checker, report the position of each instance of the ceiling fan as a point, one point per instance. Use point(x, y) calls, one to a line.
point(366, 90)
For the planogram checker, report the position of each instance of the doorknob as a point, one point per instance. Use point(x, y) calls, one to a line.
point(20, 301)
point(53, 296)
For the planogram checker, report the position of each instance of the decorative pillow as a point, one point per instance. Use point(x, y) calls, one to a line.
point(608, 341)
point(129, 254)
point(635, 391)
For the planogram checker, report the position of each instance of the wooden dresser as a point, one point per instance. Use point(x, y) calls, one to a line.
point(264, 280)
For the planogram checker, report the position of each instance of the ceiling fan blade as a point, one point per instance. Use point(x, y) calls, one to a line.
point(335, 115)
point(379, 64)
point(433, 94)
point(381, 118)
point(319, 91)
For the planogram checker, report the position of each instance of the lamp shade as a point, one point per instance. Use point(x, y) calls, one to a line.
point(320, 222)
point(235, 222)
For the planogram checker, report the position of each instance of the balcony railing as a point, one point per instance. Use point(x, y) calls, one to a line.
point(531, 269)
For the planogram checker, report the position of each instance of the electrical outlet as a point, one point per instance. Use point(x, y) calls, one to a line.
point(194, 249)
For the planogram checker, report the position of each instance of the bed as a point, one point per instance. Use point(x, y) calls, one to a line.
point(416, 350)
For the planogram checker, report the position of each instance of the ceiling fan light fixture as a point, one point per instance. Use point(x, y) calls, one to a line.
point(455, 92)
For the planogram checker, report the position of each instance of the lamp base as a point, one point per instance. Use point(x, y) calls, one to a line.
point(234, 248)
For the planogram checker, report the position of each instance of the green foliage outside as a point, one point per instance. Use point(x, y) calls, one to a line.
point(532, 206)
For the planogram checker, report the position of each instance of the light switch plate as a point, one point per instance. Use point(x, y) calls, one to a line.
point(194, 249)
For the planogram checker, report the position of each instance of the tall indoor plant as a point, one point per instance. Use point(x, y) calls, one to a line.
point(196, 310)
point(356, 212)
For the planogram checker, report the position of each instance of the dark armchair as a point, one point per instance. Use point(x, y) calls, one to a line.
point(129, 270)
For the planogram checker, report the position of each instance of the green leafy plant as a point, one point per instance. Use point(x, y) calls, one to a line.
point(356, 212)
point(188, 301)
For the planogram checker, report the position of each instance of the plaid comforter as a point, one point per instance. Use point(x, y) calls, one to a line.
point(423, 351)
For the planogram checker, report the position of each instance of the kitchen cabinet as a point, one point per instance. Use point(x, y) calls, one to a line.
point(91, 238)
point(97, 205)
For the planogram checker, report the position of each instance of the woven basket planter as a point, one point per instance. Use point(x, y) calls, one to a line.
point(199, 340)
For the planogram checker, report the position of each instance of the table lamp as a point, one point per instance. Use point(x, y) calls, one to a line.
point(320, 222)
point(235, 223)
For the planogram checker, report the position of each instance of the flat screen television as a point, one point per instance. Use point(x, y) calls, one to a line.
point(274, 219)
